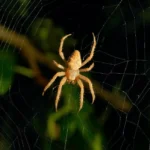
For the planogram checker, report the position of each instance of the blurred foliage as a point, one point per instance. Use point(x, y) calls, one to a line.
point(47, 36)
point(72, 121)
point(4, 145)
point(44, 32)
point(7, 64)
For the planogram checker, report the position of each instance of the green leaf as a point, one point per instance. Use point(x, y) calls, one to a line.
point(7, 62)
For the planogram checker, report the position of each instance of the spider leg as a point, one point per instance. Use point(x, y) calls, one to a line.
point(58, 74)
point(87, 69)
point(92, 51)
point(58, 65)
point(81, 93)
point(61, 46)
point(90, 86)
point(62, 82)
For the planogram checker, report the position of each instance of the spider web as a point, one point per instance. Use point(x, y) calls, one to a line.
point(119, 118)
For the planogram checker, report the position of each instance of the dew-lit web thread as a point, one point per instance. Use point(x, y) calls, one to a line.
point(6, 9)
point(9, 12)
point(144, 33)
point(21, 140)
point(22, 133)
point(111, 72)
point(127, 60)
point(136, 52)
point(32, 4)
point(144, 46)
point(14, 124)
point(35, 4)
point(20, 17)
point(116, 7)
point(84, 128)
point(143, 91)
point(1, 79)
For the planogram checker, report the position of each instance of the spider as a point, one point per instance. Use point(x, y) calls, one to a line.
point(72, 71)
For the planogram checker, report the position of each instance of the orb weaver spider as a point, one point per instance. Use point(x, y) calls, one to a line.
point(71, 73)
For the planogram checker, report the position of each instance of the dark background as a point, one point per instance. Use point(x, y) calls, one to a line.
point(121, 32)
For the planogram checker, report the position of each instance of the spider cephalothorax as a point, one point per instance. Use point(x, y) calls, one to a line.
point(71, 73)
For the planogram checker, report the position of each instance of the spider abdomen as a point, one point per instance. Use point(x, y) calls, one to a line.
point(71, 74)
point(74, 61)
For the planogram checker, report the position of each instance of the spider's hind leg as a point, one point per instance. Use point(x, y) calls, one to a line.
point(62, 82)
point(90, 86)
point(81, 93)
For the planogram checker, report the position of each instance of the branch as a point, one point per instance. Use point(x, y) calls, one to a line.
point(28, 51)
point(33, 57)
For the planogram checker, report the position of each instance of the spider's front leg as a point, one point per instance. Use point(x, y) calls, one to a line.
point(81, 93)
point(92, 51)
point(61, 46)
point(58, 74)
point(58, 65)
